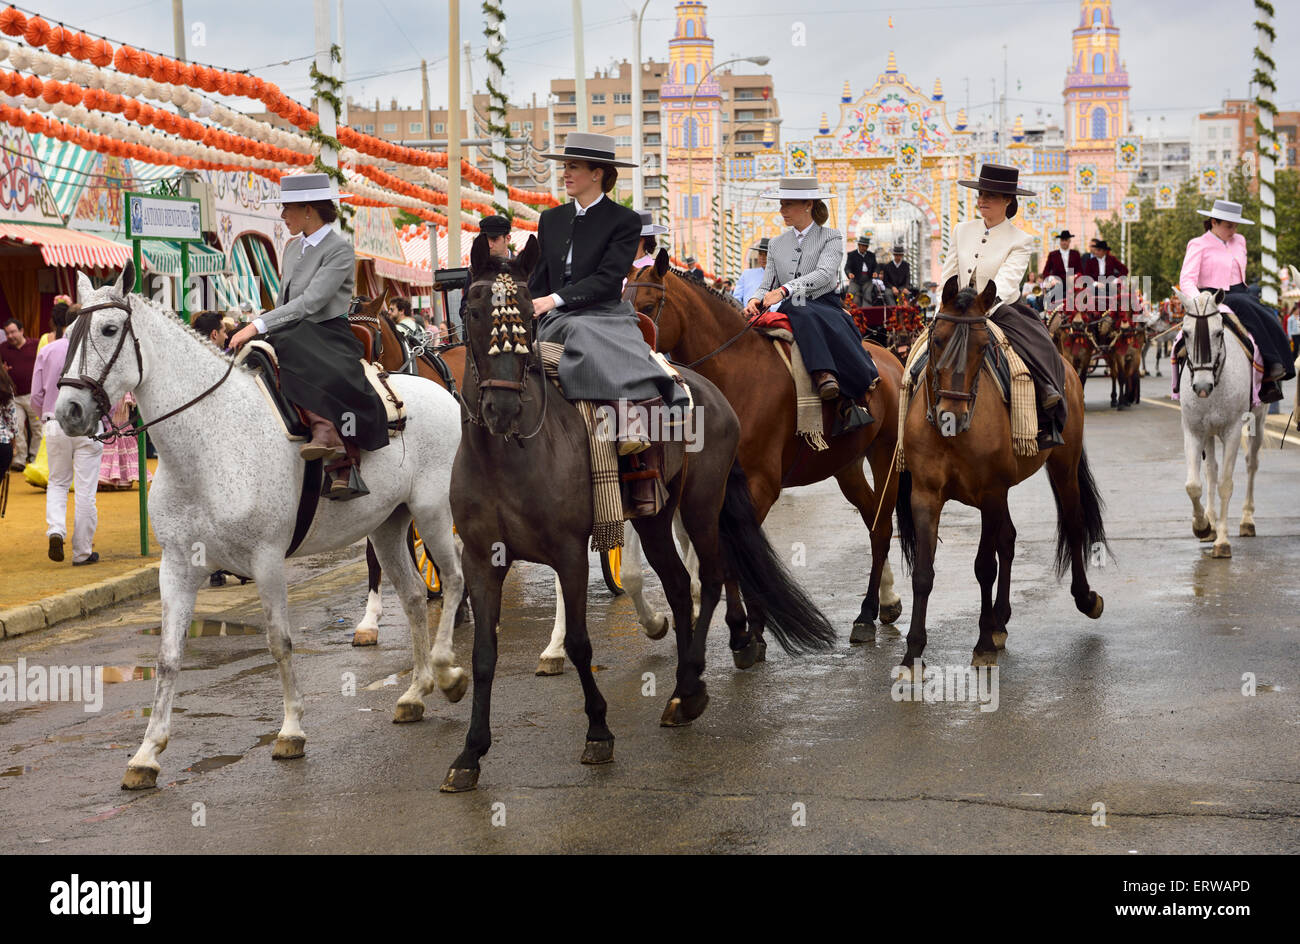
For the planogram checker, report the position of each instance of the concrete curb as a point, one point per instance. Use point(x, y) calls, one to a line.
point(73, 604)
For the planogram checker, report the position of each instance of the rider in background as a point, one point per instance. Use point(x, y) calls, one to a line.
point(1217, 260)
point(992, 250)
point(750, 279)
point(320, 360)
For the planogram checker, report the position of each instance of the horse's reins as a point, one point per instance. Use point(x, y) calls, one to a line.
point(663, 296)
point(77, 345)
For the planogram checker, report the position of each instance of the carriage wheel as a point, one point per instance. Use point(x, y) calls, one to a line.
point(611, 564)
point(424, 564)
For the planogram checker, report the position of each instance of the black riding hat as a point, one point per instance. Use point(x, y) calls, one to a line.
point(998, 178)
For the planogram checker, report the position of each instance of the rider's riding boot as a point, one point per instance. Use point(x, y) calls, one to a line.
point(644, 482)
point(1270, 391)
point(325, 442)
point(344, 480)
point(828, 388)
point(631, 432)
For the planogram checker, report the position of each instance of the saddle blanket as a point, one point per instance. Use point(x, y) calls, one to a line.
point(808, 422)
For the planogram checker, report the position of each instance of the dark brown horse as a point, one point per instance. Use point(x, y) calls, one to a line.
point(1075, 342)
point(1124, 360)
point(520, 490)
point(707, 331)
point(978, 467)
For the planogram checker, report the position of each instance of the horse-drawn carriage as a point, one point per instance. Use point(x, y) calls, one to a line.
point(1111, 342)
point(894, 327)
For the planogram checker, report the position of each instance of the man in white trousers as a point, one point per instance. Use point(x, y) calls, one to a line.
point(70, 458)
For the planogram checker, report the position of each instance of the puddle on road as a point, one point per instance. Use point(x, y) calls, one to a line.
point(266, 739)
point(213, 763)
point(386, 681)
point(128, 673)
point(16, 771)
point(210, 627)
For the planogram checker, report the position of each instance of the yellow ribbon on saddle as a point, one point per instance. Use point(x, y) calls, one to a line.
point(1023, 404)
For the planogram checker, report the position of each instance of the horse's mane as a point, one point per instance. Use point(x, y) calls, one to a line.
point(81, 326)
point(705, 290)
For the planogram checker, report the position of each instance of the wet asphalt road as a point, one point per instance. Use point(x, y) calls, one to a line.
point(1141, 711)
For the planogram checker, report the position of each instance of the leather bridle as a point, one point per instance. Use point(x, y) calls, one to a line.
point(532, 361)
point(78, 343)
point(1216, 366)
point(934, 392)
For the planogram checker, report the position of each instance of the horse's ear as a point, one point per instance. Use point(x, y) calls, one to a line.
point(383, 299)
point(527, 258)
point(989, 295)
point(125, 284)
point(479, 254)
point(661, 264)
point(1218, 297)
point(950, 290)
point(84, 287)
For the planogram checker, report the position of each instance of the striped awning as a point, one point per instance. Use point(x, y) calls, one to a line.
point(162, 257)
point(66, 168)
point(258, 252)
point(66, 247)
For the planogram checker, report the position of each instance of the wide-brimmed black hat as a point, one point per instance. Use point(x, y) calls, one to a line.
point(1065, 234)
point(1102, 245)
point(592, 148)
point(493, 226)
point(998, 178)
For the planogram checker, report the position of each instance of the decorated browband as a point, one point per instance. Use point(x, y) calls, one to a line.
point(508, 329)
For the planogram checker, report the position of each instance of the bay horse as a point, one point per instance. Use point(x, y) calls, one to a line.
point(520, 490)
point(235, 507)
point(706, 331)
point(978, 467)
point(1075, 342)
point(1124, 361)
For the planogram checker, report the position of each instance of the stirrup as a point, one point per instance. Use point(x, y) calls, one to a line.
point(338, 490)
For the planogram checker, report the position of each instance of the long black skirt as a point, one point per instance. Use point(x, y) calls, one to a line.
point(1030, 339)
point(1263, 326)
point(829, 340)
point(320, 371)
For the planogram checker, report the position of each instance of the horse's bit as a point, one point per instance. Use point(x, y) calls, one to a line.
point(77, 346)
point(509, 332)
point(934, 394)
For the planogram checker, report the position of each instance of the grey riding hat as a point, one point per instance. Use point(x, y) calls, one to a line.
point(899, 249)
point(307, 188)
point(648, 225)
point(797, 188)
point(864, 240)
point(762, 244)
point(1227, 211)
point(582, 146)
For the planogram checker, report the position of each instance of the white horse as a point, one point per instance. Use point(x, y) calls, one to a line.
point(1215, 397)
point(227, 491)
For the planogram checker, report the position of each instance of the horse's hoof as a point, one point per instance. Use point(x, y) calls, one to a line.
point(682, 711)
point(984, 658)
point(289, 748)
point(407, 713)
point(660, 629)
point(747, 656)
point(863, 632)
point(550, 665)
point(1247, 529)
point(1098, 605)
point(365, 637)
point(890, 612)
point(458, 688)
point(140, 778)
point(909, 674)
point(1221, 551)
point(1000, 638)
point(598, 752)
point(1204, 533)
point(460, 780)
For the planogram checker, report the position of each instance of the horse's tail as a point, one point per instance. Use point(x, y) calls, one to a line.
point(906, 526)
point(793, 617)
point(1090, 510)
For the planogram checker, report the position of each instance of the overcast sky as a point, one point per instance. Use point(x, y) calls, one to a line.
point(1183, 55)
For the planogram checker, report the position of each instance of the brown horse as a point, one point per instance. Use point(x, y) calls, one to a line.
point(706, 331)
point(978, 467)
point(1075, 343)
point(1124, 360)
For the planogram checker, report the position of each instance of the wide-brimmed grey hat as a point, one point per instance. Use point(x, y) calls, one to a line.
point(864, 240)
point(307, 188)
point(648, 225)
point(797, 188)
point(899, 249)
point(583, 146)
point(1227, 211)
point(762, 244)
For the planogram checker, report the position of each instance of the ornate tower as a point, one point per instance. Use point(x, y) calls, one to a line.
point(1096, 112)
point(692, 129)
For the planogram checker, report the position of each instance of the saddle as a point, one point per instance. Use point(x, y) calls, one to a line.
point(260, 359)
point(815, 419)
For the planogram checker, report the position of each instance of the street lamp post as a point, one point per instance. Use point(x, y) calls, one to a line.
point(690, 124)
point(638, 180)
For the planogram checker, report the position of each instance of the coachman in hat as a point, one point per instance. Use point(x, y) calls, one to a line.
point(1063, 264)
point(859, 267)
point(898, 274)
point(803, 270)
point(990, 249)
point(587, 248)
point(320, 360)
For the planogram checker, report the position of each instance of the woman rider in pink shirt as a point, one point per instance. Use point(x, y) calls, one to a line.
point(1217, 260)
